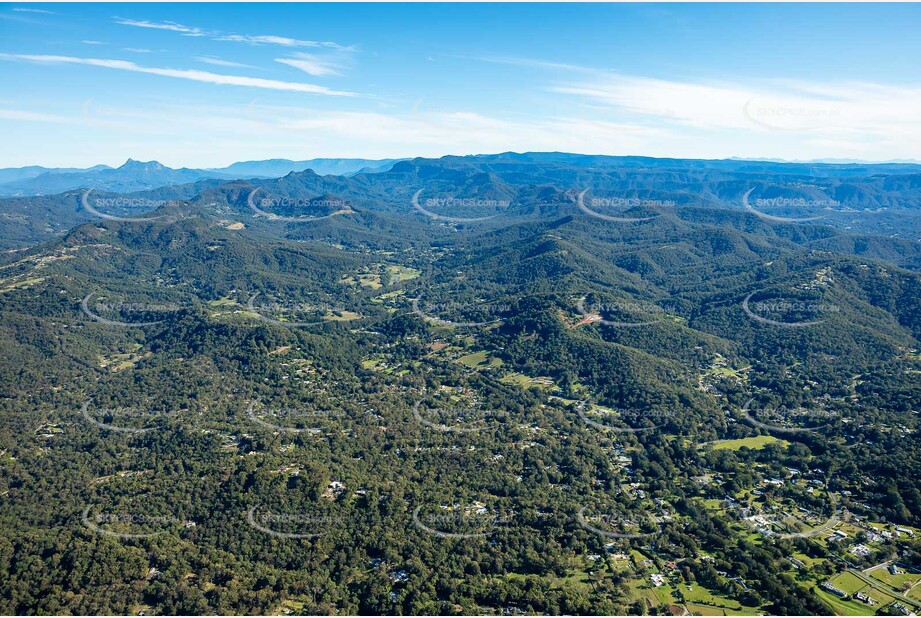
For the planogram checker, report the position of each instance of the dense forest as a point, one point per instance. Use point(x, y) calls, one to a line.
point(585, 386)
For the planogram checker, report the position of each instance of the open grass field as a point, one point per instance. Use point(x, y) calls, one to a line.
point(848, 582)
point(754, 443)
point(479, 360)
point(840, 606)
point(367, 280)
point(895, 581)
point(401, 273)
point(527, 381)
point(341, 316)
point(698, 595)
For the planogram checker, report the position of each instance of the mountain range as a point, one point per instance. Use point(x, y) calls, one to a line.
point(140, 176)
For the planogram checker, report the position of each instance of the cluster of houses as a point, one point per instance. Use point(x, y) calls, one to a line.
point(865, 598)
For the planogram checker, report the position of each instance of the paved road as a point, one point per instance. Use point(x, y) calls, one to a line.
point(884, 588)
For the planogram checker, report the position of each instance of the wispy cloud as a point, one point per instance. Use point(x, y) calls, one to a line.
point(223, 63)
point(18, 114)
point(39, 11)
point(317, 65)
point(251, 39)
point(846, 115)
point(91, 42)
point(137, 50)
point(190, 74)
point(533, 63)
point(842, 110)
point(163, 25)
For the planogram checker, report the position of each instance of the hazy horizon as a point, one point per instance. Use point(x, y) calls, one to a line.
point(197, 88)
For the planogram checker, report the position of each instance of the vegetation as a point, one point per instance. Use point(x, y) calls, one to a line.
point(381, 413)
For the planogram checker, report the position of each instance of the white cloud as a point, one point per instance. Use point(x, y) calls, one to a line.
point(223, 63)
point(808, 111)
point(251, 39)
point(39, 11)
point(164, 25)
point(16, 114)
point(190, 74)
point(315, 65)
point(269, 39)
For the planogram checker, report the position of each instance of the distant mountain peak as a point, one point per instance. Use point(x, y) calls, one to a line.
point(132, 164)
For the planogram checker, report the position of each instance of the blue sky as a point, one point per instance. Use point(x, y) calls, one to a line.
point(206, 85)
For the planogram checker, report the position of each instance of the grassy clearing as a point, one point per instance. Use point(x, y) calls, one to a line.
point(840, 606)
point(519, 379)
point(894, 581)
point(367, 280)
point(341, 316)
point(716, 604)
point(848, 582)
point(388, 296)
point(7, 285)
point(754, 443)
point(402, 273)
point(479, 360)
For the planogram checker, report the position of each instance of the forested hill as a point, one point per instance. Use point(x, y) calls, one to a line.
point(881, 199)
point(501, 384)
